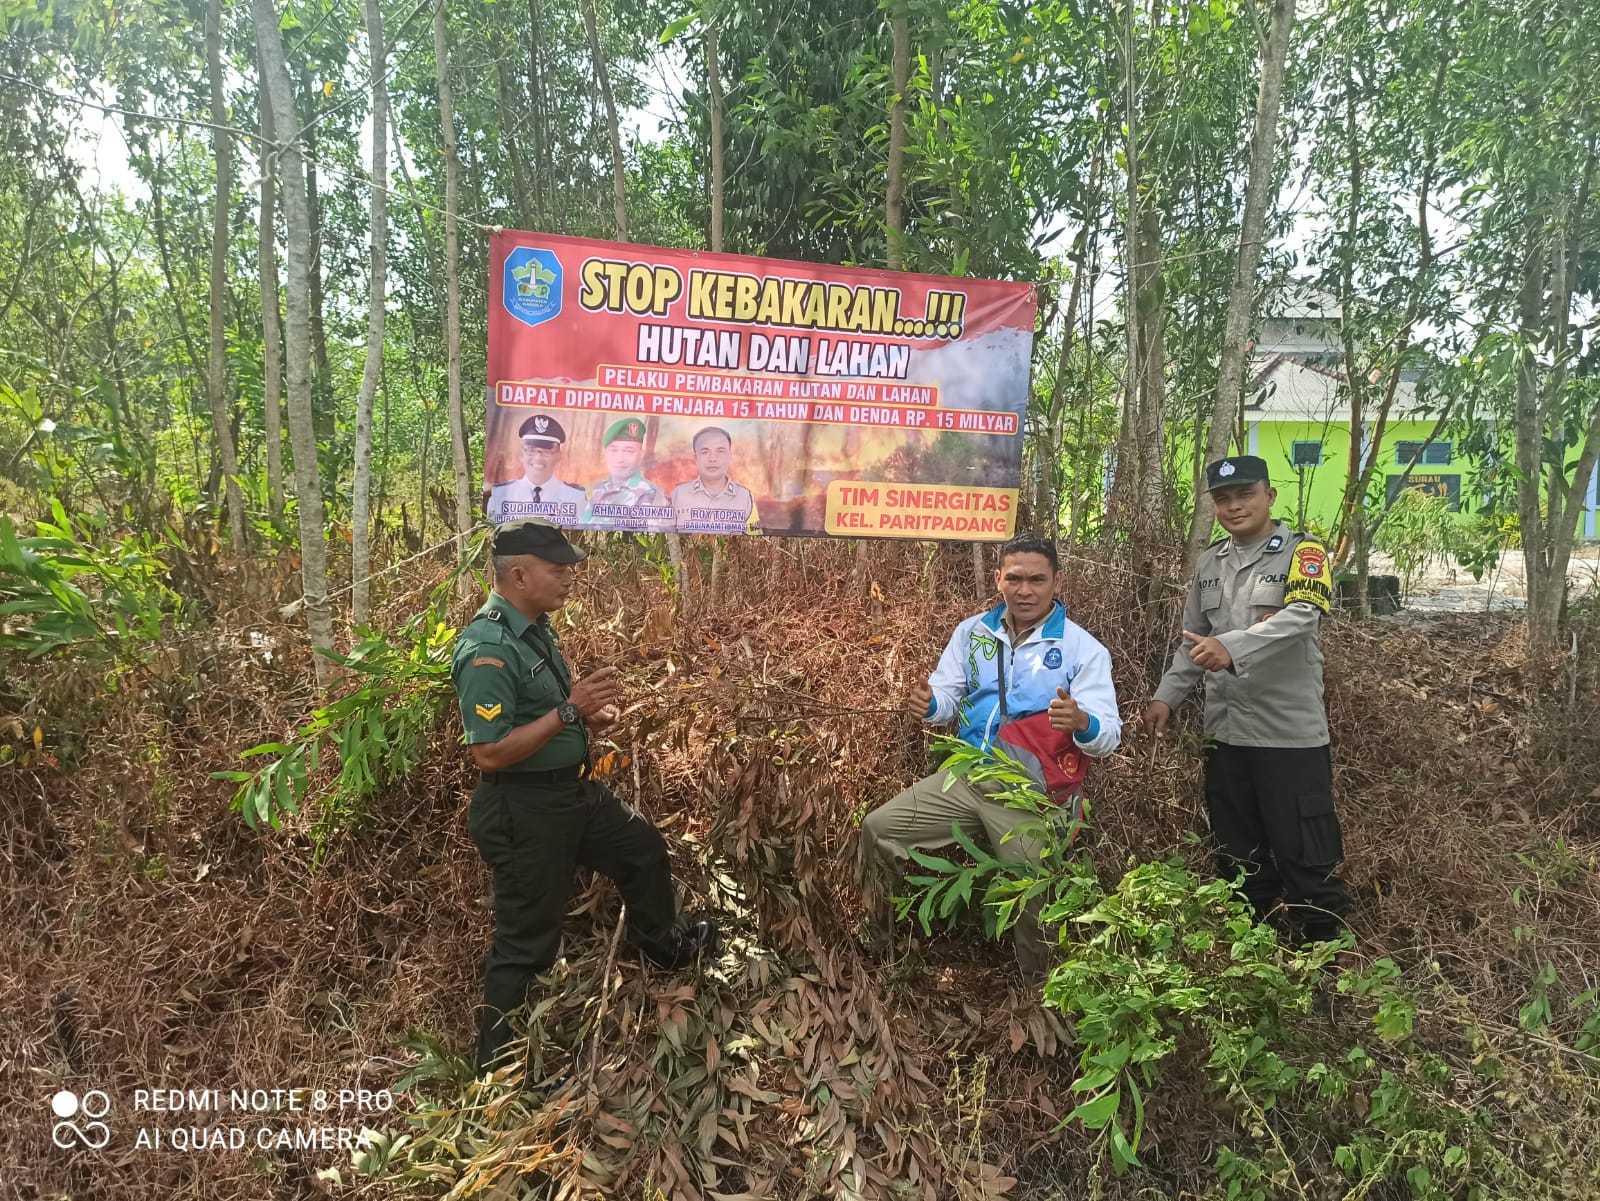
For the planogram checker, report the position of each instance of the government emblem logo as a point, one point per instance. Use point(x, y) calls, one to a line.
point(532, 286)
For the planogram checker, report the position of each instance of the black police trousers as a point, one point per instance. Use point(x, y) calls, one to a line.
point(1271, 811)
point(532, 828)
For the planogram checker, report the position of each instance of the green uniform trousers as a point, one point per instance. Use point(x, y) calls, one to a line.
point(921, 817)
point(532, 828)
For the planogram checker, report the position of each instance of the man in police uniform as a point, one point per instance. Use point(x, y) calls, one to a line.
point(538, 493)
point(711, 503)
point(625, 500)
point(1250, 627)
point(535, 812)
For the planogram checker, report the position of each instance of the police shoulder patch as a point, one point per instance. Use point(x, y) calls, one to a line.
point(1308, 571)
point(488, 661)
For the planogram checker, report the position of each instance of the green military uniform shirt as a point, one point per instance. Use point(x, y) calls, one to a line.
point(1264, 602)
point(634, 504)
point(507, 672)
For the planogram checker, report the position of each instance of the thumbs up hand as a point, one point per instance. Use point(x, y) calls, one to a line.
point(1208, 653)
point(1065, 714)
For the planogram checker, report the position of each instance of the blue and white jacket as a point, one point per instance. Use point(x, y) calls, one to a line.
point(1056, 654)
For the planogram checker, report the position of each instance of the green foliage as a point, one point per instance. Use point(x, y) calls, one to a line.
point(375, 731)
point(1004, 888)
point(1418, 530)
point(80, 587)
point(1167, 975)
point(1162, 954)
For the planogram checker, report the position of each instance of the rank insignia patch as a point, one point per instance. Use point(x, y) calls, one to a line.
point(488, 712)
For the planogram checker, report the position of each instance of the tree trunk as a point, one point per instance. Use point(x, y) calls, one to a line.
point(361, 485)
point(271, 336)
point(536, 101)
point(1548, 515)
point(217, 358)
point(297, 338)
point(714, 86)
point(619, 178)
point(714, 90)
point(894, 215)
point(1151, 427)
point(322, 400)
point(1055, 415)
point(1124, 482)
point(158, 215)
point(508, 130)
point(1241, 296)
point(452, 283)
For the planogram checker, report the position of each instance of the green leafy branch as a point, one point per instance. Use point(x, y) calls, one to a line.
point(1005, 888)
point(45, 607)
point(375, 730)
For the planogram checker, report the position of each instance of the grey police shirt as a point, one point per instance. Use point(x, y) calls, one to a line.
point(1264, 602)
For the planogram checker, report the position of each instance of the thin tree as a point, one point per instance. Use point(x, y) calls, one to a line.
point(714, 94)
point(1122, 478)
point(619, 179)
point(714, 90)
point(297, 336)
point(361, 487)
point(271, 334)
point(894, 199)
point(217, 358)
point(1548, 511)
point(452, 283)
point(1241, 296)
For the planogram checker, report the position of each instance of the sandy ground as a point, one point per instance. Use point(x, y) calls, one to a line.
point(1445, 588)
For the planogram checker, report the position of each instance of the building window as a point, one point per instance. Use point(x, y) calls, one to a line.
point(1306, 454)
point(1436, 454)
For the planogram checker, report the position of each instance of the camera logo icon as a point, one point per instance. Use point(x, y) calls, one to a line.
point(67, 1133)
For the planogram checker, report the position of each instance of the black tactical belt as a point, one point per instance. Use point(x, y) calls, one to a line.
point(554, 775)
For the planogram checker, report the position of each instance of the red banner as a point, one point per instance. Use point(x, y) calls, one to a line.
point(639, 388)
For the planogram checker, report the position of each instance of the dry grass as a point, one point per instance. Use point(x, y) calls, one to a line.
point(151, 941)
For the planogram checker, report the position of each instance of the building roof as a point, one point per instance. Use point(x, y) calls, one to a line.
point(1284, 388)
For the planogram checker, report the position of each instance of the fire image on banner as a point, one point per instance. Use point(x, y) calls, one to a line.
point(639, 388)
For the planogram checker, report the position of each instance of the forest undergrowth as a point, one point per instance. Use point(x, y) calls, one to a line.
point(152, 939)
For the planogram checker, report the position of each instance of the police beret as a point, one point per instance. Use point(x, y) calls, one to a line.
point(538, 538)
point(543, 428)
point(629, 429)
point(1241, 469)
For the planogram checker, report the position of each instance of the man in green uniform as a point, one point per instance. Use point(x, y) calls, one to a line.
point(625, 499)
point(1251, 627)
point(535, 812)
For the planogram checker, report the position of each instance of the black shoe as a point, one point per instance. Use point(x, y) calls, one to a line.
point(684, 945)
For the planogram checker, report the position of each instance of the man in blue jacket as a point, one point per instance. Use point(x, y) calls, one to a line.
point(1022, 657)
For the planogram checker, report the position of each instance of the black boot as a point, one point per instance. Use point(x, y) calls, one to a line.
point(684, 944)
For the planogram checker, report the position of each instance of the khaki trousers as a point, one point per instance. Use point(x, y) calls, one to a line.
point(921, 817)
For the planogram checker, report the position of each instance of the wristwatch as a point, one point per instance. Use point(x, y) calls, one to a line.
point(568, 713)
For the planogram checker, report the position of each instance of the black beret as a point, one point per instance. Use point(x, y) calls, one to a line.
point(537, 538)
